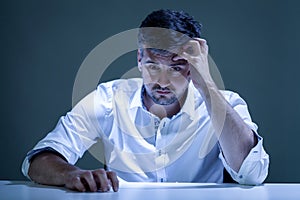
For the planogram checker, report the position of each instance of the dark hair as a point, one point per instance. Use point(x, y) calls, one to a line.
point(168, 29)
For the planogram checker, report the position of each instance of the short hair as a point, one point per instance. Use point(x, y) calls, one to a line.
point(167, 29)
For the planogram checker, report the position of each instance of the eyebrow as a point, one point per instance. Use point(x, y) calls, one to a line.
point(150, 61)
point(179, 62)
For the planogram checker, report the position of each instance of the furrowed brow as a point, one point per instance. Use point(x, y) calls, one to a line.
point(180, 62)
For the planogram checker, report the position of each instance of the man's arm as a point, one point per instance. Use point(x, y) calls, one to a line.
point(235, 137)
point(51, 169)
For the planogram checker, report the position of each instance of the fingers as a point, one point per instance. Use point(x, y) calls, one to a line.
point(76, 184)
point(114, 180)
point(101, 180)
point(196, 47)
point(193, 48)
point(195, 51)
point(87, 180)
point(203, 45)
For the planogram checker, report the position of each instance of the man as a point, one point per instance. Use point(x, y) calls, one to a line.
point(172, 125)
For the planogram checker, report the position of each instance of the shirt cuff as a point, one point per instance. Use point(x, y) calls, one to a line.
point(254, 168)
point(30, 155)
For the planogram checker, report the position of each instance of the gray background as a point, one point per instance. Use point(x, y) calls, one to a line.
point(254, 43)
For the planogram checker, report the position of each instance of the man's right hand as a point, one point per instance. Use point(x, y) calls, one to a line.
point(91, 180)
point(51, 169)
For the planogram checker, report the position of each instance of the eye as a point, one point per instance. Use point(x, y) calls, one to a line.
point(153, 67)
point(176, 69)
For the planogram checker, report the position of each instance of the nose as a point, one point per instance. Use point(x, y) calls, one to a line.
point(163, 78)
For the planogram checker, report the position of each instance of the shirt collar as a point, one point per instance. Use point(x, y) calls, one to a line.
point(189, 104)
point(137, 98)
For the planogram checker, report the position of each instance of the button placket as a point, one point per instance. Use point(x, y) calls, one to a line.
point(161, 159)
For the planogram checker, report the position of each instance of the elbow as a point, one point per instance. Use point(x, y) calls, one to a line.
point(255, 175)
point(251, 180)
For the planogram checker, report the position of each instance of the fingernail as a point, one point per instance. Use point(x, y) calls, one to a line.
point(116, 189)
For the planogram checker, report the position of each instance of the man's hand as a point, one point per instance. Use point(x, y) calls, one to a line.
point(196, 53)
point(91, 180)
point(51, 169)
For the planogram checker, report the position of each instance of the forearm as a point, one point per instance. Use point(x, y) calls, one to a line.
point(49, 168)
point(235, 137)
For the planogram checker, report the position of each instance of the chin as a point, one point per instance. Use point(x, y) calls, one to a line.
point(164, 101)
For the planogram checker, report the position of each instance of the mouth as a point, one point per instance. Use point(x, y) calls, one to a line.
point(163, 92)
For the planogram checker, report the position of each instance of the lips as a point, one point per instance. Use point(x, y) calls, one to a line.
point(163, 92)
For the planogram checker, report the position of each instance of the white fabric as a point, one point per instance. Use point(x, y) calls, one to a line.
point(141, 147)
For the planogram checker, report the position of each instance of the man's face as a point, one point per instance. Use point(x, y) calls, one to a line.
point(166, 78)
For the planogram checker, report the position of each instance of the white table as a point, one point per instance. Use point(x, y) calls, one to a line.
point(23, 190)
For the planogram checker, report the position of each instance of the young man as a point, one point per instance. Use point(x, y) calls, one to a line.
point(172, 125)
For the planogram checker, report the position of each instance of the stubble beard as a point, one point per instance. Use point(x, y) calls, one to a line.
point(162, 99)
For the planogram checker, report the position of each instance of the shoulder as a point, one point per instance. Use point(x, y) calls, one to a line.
point(127, 84)
point(232, 97)
point(110, 88)
point(238, 104)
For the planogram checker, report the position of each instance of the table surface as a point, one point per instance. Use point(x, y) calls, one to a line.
point(152, 191)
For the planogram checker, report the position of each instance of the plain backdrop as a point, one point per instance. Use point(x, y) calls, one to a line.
point(254, 43)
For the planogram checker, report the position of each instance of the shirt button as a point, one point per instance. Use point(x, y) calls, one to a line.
point(159, 153)
point(241, 176)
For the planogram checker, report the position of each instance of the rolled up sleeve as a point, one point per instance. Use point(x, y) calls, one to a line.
point(254, 168)
point(72, 136)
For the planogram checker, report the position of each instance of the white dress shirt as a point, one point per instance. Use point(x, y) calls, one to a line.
point(139, 146)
